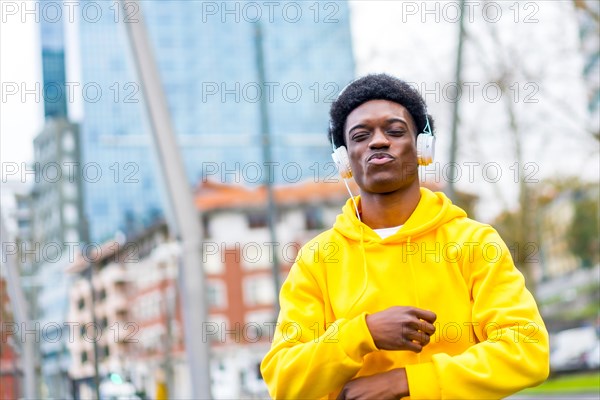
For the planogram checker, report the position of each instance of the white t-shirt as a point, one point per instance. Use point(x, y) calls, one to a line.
point(386, 232)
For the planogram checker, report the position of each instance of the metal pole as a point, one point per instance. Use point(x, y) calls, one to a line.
point(19, 305)
point(265, 130)
point(455, 111)
point(181, 202)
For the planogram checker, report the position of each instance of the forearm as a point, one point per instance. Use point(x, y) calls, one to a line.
point(492, 369)
point(316, 366)
point(390, 385)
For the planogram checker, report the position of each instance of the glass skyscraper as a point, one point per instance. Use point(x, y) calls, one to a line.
point(53, 66)
point(207, 58)
point(56, 205)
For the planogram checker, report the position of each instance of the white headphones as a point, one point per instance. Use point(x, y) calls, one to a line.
point(341, 160)
point(425, 145)
point(425, 152)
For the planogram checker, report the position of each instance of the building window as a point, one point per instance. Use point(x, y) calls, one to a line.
point(221, 323)
point(122, 314)
point(206, 225)
point(68, 142)
point(259, 290)
point(71, 236)
point(84, 357)
point(216, 293)
point(258, 373)
point(102, 294)
point(313, 218)
point(81, 303)
point(213, 262)
point(22, 204)
point(257, 220)
point(256, 256)
point(69, 188)
point(70, 214)
point(106, 351)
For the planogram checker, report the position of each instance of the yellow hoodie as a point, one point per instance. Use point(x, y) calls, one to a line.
point(490, 340)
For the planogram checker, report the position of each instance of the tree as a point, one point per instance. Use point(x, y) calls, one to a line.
point(589, 29)
point(584, 230)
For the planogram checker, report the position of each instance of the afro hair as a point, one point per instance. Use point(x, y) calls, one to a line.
point(376, 87)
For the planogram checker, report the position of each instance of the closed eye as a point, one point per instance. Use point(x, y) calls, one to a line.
point(360, 136)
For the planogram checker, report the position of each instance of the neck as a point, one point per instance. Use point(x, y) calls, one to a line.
point(389, 209)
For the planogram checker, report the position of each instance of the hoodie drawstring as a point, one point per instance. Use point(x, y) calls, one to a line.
point(365, 271)
point(412, 275)
point(366, 277)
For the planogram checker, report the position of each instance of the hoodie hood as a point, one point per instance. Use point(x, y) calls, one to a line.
point(433, 210)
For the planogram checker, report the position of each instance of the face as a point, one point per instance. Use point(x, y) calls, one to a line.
point(381, 142)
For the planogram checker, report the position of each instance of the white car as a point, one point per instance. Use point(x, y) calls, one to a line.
point(592, 357)
point(569, 349)
point(117, 391)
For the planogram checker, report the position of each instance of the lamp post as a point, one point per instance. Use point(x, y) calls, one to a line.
point(186, 224)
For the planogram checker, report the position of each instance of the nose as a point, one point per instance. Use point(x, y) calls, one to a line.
point(379, 140)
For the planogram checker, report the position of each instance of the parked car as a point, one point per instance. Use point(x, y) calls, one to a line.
point(592, 357)
point(115, 388)
point(570, 349)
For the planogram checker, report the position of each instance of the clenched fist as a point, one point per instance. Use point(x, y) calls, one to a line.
point(401, 328)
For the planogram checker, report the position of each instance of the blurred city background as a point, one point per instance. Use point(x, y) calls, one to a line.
point(96, 228)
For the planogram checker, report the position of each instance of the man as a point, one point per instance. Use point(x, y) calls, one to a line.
point(405, 296)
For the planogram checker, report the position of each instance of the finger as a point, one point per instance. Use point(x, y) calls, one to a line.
point(420, 325)
point(419, 337)
point(426, 315)
point(426, 327)
point(413, 346)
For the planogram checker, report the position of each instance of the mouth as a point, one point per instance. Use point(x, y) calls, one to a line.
point(380, 158)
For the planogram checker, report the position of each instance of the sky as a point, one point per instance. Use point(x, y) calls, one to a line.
point(19, 65)
point(418, 44)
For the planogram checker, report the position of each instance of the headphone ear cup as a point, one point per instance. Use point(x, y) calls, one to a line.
point(342, 161)
point(425, 148)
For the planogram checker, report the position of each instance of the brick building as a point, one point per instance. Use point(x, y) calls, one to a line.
point(137, 309)
point(10, 370)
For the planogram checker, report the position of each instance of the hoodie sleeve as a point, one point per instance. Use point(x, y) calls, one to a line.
point(513, 348)
point(308, 360)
